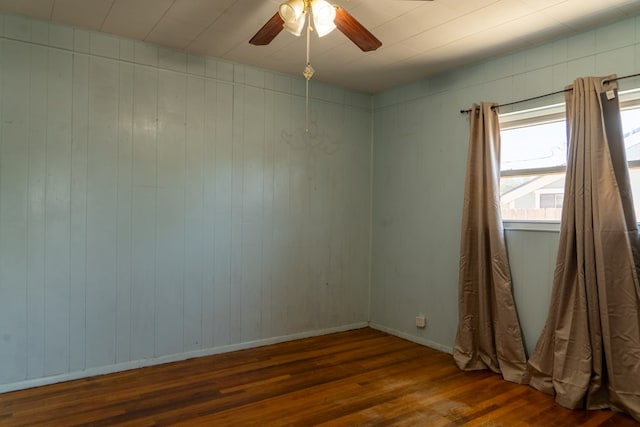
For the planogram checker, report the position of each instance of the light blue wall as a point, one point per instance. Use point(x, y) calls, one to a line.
point(420, 150)
point(156, 205)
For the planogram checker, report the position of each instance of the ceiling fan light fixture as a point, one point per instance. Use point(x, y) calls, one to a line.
point(295, 27)
point(293, 14)
point(323, 16)
point(291, 11)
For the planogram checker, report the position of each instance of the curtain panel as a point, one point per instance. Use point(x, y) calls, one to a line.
point(489, 335)
point(588, 354)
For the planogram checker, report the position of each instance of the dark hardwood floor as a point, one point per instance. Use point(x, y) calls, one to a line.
point(356, 378)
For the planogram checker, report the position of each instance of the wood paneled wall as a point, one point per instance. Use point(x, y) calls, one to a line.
point(156, 203)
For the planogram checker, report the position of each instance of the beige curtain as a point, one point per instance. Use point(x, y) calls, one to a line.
point(489, 335)
point(589, 352)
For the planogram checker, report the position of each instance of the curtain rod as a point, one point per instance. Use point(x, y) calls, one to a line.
point(549, 94)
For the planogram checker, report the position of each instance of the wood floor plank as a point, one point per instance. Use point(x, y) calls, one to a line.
point(356, 378)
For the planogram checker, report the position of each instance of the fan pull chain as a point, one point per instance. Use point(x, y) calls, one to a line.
point(308, 73)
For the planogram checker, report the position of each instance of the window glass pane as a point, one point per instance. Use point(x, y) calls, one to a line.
point(634, 177)
point(537, 146)
point(547, 200)
point(532, 197)
point(631, 129)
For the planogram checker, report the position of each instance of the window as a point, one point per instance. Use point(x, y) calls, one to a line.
point(550, 200)
point(533, 159)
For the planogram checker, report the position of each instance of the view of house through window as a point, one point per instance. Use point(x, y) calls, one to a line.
point(533, 159)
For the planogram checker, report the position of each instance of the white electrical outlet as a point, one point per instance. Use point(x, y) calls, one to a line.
point(421, 321)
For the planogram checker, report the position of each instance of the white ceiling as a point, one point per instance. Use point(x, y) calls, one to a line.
point(420, 38)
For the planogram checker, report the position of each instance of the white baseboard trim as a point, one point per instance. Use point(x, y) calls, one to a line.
point(418, 340)
point(126, 366)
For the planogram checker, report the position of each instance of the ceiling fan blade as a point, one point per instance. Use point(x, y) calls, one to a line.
point(355, 31)
point(268, 32)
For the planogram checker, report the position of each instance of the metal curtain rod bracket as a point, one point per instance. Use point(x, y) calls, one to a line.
point(549, 94)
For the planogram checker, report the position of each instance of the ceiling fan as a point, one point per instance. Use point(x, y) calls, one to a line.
point(294, 14)
point(326, 17)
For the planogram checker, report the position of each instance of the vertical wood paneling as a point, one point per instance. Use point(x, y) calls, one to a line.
point(237, 190)
point(169, 272)
point(223, 169)
point(299, 194)
point(125, 220)
point(170, 247)
point(36, 214)
point(344, 248)
point(212, 316)
point(197, 253)
point(143, 297)
point(79, 179)
point(355, 263)
point(14, 181)
point(267, 248)
point(13, 230)
point(147, 212)
point(57, 208)
point(252, 213)
point(320, 214)
point(143, 211)
point(282, 234)
point(102, 213)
